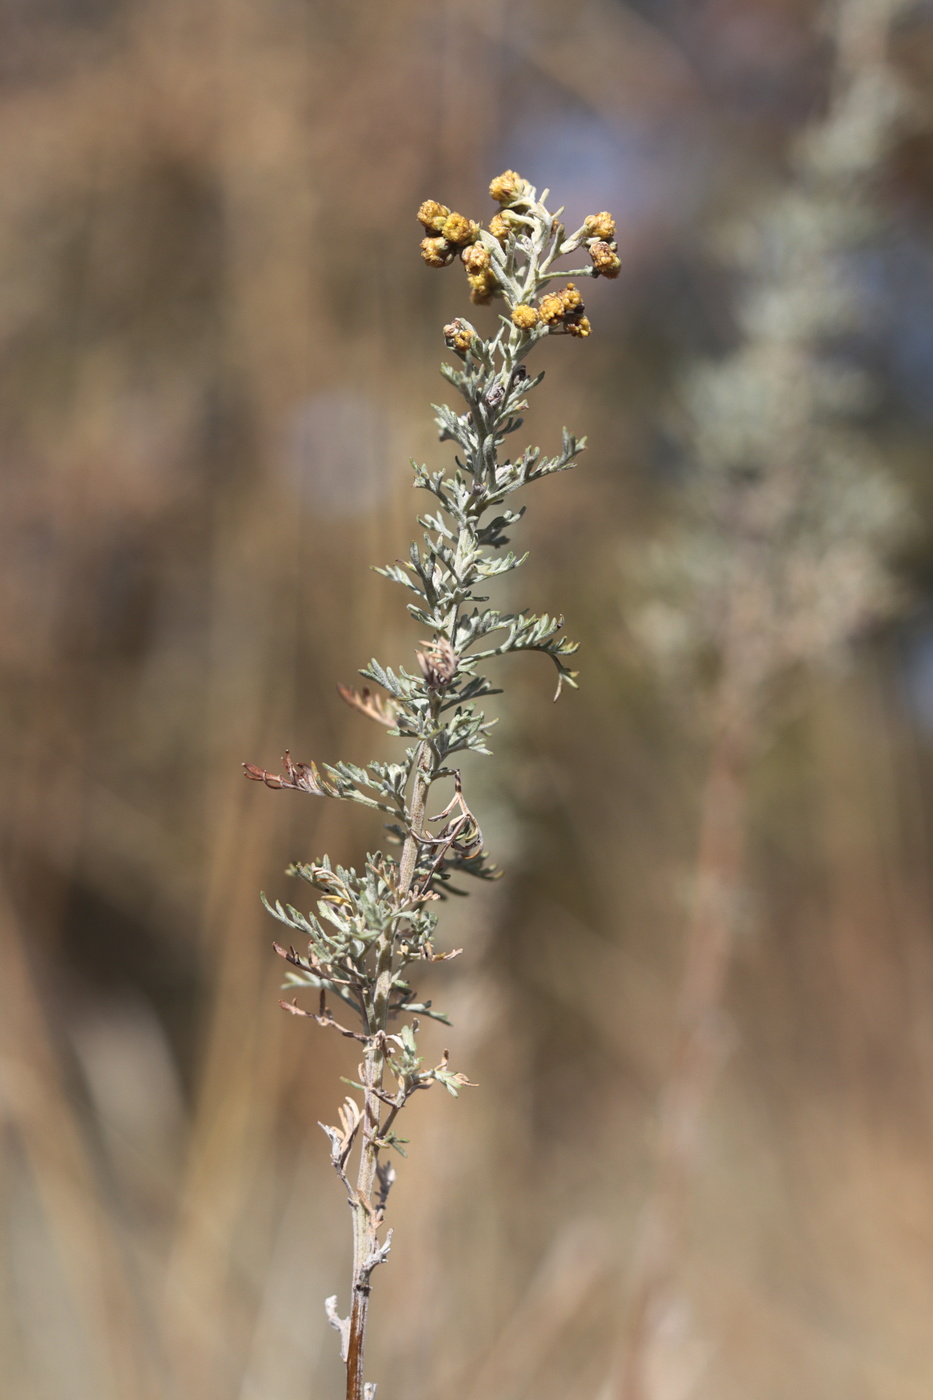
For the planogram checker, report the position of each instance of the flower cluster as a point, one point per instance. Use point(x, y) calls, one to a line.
point(564, 310)
point(601, 244)
point(499, 259)
point(448, 230)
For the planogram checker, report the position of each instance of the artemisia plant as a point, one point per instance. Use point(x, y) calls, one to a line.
point(373, 925)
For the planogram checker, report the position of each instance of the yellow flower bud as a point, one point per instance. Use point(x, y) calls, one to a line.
point(437, 252)
point(525, 317)
point(571, 299)
point(498, 228)
point(432, 215)
point(476, 257)
point(605, 261)
point(507, 186)
point(459, 230)
point(482, 284)
point(600, 226)
point(551, 309)
point(580, 328)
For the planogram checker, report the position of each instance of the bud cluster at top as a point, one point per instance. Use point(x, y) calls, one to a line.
point(511, 258)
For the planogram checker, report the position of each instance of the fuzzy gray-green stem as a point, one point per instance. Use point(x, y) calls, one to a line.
point(419, 797)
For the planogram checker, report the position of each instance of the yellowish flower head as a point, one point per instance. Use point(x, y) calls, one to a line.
point(459, 230)
point(605, 261)
point(508, 187)
point(498, 228)
point(432, 215)
point(551, 309)
point(525, 317)
point(482, 287)
point(476, 257)
point(600, 226)
point(437, 252)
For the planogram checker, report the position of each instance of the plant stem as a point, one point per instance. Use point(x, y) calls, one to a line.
point(365, 1223)
point(362, 1220)
point(419, 797)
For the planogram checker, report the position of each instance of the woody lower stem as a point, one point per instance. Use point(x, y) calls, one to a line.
point(364, 1230)
point(364, 1226)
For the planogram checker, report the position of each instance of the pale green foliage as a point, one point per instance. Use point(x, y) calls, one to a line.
point(789, 511)
point(353, 912)
point(464, 546)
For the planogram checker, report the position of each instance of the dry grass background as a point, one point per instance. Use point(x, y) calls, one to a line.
point(217, 343)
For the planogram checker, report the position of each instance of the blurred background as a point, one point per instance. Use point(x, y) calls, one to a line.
point(217, 348)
